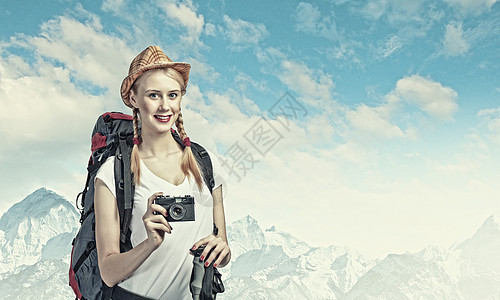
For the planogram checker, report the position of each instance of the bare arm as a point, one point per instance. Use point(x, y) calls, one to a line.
point(113, 265)
point(220, 222)
point(221, 254)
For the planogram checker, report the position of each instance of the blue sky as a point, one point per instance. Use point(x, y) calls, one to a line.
point(390, 138)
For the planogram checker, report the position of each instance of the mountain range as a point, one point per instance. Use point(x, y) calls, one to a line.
point(36, 235)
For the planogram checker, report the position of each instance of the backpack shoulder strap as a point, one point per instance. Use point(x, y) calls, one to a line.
point(124, 188)
point(203, 160)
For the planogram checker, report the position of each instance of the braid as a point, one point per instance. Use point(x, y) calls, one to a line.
point(189, 165)
point(135, 161)
point(179, 123)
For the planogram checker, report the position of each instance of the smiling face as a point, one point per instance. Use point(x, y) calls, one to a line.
point(158, 98)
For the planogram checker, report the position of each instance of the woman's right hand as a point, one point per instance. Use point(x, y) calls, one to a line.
point(156, 225)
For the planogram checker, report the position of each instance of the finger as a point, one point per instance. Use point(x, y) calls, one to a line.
point(159, 209)
point(153, 197)
point(221, 257)
point(215, 253)
point(157, 194)
point(203, 241)
point(158, 219)
point(158, 226)
point(213, 242)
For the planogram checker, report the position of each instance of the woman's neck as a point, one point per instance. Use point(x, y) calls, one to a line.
point(158, 145)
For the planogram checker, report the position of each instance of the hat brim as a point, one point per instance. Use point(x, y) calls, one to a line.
point(182, 68)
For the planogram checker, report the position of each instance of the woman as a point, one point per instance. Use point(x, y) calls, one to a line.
point(159, 265)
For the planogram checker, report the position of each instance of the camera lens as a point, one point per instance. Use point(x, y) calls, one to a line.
point(177, 211)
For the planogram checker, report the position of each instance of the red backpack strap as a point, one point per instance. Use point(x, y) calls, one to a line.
point(116, 116)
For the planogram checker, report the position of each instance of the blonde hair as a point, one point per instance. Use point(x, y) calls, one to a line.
point(189, 165)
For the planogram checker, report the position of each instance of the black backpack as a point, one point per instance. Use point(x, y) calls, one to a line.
point(112, 136)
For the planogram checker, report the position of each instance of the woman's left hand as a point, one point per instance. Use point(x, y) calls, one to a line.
point(219, 253)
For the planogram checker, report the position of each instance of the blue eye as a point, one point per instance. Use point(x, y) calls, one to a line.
point(154, 96)
point(173, 95)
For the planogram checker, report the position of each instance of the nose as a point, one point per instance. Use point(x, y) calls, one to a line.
point(164, 105)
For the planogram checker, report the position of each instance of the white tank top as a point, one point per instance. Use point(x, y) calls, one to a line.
point(166, 272)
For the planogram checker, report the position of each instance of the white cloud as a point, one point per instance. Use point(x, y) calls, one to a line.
point(229, 113)
point(243, 34)
point(375, 8)
point(187, 17)
point(435, 99)
point(380, 121)
point(390, 45)
point(309, 20)
point(204, 70)
point(86, 52)
point(269, 57)
point(351, 152)
point(112, 5)
point(459, 167)
point(49, 93)
point(454, 42)
point(44, 106)
point(396, 11)
point(410, 18)
point(319, 129)
point(243, 81)
point(339, 2)
point(213, 105)
point(184, 15)
point(374, 121)
point(472, 7)
point(341, 52)
point(495, 125)
point(315, 86)
point(210, 29)
point(491, 117)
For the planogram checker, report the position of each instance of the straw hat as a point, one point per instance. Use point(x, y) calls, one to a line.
point(151, 58)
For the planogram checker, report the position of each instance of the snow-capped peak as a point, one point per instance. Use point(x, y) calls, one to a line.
point(484, 246)
point(36, 205)
point(491, 225)
point(244, 235)
point(32, 224)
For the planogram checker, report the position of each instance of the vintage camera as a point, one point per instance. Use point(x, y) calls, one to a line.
point(179, 208)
